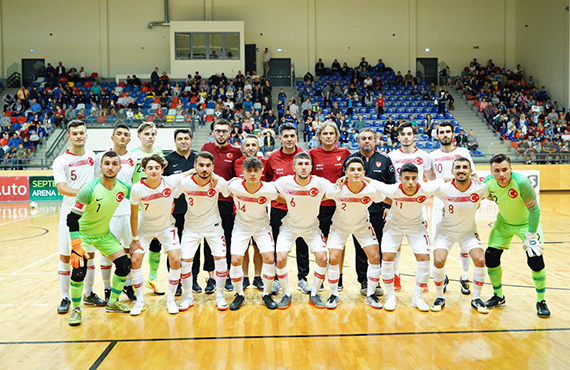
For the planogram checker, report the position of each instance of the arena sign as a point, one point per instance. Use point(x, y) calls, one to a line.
point(24, 188)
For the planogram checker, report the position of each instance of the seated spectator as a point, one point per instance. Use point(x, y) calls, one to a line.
point(18, 108)
point(335, 67)
point(34, 138)
point(461, 139)
point(21, 157)
point(308, 78)
point(399, 79)
point(472, 143)
point(380, 66)
point(320, 68)
point(408, 78)
point(368, 83)
point(268, 143)
point(96, 89)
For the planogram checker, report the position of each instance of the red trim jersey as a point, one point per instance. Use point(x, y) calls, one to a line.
point(238, 168)
point(328, 165)
point(352, 208)
point(156, 204)
point(251, 208)
point(441, 162)
point(203, 213)
point(418, 157)
point(460, 207)
point(224, 158)
point(303, 202)
point(75, 171)
point(128, 163)
point(280, 164)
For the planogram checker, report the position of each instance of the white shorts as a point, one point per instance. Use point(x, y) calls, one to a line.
point(436, 216)
point(313, 237)
point(120, 226)
point(363, 233)
point(63, 241)
point(168, 238)
point(392, 238)
point(241, 238)
point(467, 241)
point(191, 240)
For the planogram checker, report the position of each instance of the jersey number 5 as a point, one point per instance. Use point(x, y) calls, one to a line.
point(73, 175)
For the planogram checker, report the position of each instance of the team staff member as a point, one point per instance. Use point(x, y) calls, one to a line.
point(379, 167)
point(328, 160)
point(224, 157)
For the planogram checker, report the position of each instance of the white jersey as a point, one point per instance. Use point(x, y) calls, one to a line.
point(128, 163)
point(352, 208)
point(303, 202)
point(418, 157)
point(460, 207)
point(407, 210)
point(441, 162)
point(251, 208)
point(74, 171)
point(202, 202)
point(156, 204)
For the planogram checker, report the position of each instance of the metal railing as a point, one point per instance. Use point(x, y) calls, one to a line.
point(58, 144)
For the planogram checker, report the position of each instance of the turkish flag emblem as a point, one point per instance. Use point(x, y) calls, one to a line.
point(230, 155)
point(378, 164)
point(456, 156)
point(314, 192)
point(90, 161)
point(338, 158)
point(211, 192)
point(513, 193)
point(131, 162)
point(120, 196)
point(421, 199)
point(365, 200)
point(418, 161)
point(262, 200)
point(166, 192)
point(474, 197)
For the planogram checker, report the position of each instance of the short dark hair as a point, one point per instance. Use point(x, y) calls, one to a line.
point(204, 154)
point(74, 123)
point(123, 127)
point(499, 158)
point(461, 159)
point(353, 160)
point(224, 122)
point(405, 125)
point(110, 154)
point(155, 157)
point(249, 136)
point(302, 155)
point(182, 131)
point(251, 163)
point(409, 167)
point(445, 124)
point(287, 126)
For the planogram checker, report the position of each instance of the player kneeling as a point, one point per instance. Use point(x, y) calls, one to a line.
point(251, 198)
point(154, 195)
point(461, 198)
point(351, 217)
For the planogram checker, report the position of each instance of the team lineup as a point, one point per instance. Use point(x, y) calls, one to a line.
point(129, 203)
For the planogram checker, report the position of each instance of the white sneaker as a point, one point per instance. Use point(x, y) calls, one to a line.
point(420, 304)
point(221, 303)
point(391, 303)
point(187, 302)
point(373, 301)
point(138, 308)
point(172, 307)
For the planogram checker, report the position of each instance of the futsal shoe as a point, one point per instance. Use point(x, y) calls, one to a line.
point(269, 302)
point(172, 307)
point(332, 302)
point(118, 306)
point(438, 304)
point(397, 283)
point(246, 282)
point(391, 303)
point(130, 292)
point(186, 303)
point(340, 284)
point(496, 301)
point(379, 291)
point(210, 286)
point(75, 317)
point(465, 286)
point(542, 309)
point(64, 306)
point(303, 286)
point(137, 309)
point(315, 300)
point(258, 283)
point(364, 288)
point(107, 295)
point(221, 303)
point(229, 287)
point(373, 302)
point(420, 304)
point(285, 302)
point(196, 288)
point(276, 288)
point(93, 300)
point(153, 285)
point(479, 305)
point(239, 301)
point(445, 282)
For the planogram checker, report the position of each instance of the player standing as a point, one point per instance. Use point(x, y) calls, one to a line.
point(441, 164)
point(71, 171)
point(351, 217)
point(518, 215)
point(303, 194)
point(120, 224)
point(252, 197)
point(461, 198)
point(88, 224)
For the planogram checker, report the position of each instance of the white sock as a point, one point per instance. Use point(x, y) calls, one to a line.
point(465, 261)
point(89, 277)
point(397, 264)
point(186, 276)
point(478, 280)
point(320, 273)
point(138, 282)
point(236, 274)
point(334, 273)
point(438, 279)
point(283, 275)
point(422, 276)
point(64, 275)
point(173, 279)
point(221, 275)
point(373, 275)
point(388, 277)
point(267, 274)
point(106, 269)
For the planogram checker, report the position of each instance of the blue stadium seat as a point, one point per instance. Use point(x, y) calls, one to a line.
point(429, 145)
point(420, 145)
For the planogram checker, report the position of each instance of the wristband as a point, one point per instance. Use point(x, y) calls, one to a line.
point(136, 238)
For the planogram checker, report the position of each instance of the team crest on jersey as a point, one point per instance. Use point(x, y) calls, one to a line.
point(90, 161)
point(456, 156)
point(513, 193)
point(421, 199)
point(418, 161)
point(314, 192)
point(230, 155)
point(378, 164)
point(365, 200)
point(79, 206)
point(130, 162)
point(211, 192)
point(262, 200)
point(474, 198)
point(166, 192)
point(120, 196)
point(338, 158)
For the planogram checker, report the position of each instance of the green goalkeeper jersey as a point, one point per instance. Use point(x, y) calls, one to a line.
point(96, 204)
point(517, 201)
point(140, 154)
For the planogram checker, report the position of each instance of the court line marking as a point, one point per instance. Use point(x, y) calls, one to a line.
point(33, 264)
point(103, 355)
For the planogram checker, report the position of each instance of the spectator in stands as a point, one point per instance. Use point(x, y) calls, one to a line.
point(18, 108)
point(306, 107)
point(21, 157)
point(369, 100)
point(308, 78)
point(360, 123)
point(23, 94)
point(363, 63)
point(154, 79)
point(399, 79)
point(4, 121)
point(408, 79)
point(450, 101)
point(551, 151)
point(377, 85)
point(335, 67)
point(60, 70)
point(368, 83)
point(472, 143)
point(345, 70)
point(271, 122)
point(96, 89)
point(461, 139)
point(320, 68)
point(380, 66)
point(542, 95)
point(8, 101)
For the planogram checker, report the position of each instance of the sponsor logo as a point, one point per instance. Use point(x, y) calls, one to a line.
point(418, 161)
point(166, 192)
point(513, 193)
point(365, 200)
point(474, 197)
point(98, 200)
point(262, 200)
point(211, 192)
point(14, 189)
point(120, 196)
point(314, 192)
point(421, 199)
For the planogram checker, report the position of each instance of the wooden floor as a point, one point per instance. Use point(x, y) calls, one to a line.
point(354, 336)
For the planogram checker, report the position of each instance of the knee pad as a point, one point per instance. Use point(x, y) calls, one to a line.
point(535, 263)
point(122, 266)
point(155, 246)
point(78, 274)
point(493, 257)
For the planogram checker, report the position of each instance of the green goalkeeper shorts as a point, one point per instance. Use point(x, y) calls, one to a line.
point(502, 233)
point(106, 244)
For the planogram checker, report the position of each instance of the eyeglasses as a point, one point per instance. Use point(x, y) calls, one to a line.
point(221, 132)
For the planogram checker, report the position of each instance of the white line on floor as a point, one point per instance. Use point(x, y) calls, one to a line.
point(40, 304)
point(6, 305)
point(33, 264)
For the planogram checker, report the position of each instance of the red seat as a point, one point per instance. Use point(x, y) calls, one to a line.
point(150, 118)
point(101, 119)
point(515, 144)
point(144, 89)
point(121, 84)
point(157, 99)
point(13, 119)
point(22, 119)
point(188, 118)
point(8, 113)
point(94, 74)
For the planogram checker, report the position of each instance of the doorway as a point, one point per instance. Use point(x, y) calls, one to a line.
point(426, 69)
point(31, 70)
point(250, 58)
point(280, 71)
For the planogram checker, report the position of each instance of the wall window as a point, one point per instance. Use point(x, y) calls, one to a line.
point(213, 45)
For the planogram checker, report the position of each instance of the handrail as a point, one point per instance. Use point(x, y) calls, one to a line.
point(55, 147)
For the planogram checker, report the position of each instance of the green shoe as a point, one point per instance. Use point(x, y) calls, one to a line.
point(118, 306)
point(75, 318)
